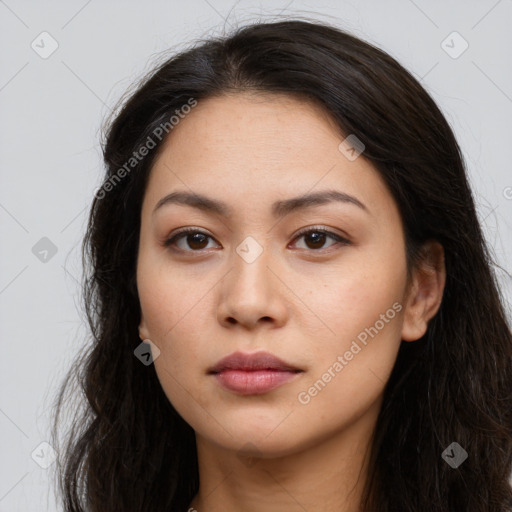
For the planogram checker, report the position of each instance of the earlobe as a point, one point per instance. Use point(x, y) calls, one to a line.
point(426, 292)
point(143, 331)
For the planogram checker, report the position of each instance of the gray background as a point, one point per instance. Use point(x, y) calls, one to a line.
point(51, 112)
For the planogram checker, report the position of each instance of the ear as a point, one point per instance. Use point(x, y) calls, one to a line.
point(425, 291)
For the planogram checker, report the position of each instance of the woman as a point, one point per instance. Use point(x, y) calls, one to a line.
point(292, 303)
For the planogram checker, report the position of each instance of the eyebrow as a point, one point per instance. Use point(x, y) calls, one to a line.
point(279, 208)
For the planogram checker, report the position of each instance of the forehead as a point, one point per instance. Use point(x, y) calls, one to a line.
point(251, 128)
point(247, 147)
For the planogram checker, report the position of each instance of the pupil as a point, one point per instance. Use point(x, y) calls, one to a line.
point(317, 238)
point(197, 238)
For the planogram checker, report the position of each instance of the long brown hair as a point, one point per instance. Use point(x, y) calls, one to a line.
point(128, 448)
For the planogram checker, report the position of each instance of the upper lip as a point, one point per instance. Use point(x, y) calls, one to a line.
point(252, 362)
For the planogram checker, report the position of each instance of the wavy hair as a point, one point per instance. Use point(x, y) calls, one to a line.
point(128, 449)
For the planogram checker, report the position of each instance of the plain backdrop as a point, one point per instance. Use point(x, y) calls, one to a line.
point(52, 106)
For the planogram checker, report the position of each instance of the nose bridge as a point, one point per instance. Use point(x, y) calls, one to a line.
point(250, 291)
point(250, 260)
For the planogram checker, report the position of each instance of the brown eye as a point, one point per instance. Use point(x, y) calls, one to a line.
point(315, 238)
point(189, 240)
point(193, 240)
point(196, 241)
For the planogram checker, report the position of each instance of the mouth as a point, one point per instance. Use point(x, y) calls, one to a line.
point(253, 374)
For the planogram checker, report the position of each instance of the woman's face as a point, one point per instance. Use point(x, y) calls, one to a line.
point(247, 280)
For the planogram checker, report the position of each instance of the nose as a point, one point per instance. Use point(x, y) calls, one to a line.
point(252, 294)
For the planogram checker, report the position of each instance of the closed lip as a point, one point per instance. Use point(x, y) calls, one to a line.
point(252, 362)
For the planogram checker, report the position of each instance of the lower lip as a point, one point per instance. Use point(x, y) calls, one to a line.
point(254, 382)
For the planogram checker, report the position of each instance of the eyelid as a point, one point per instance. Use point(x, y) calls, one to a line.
point(168, 240)
point(324, 230)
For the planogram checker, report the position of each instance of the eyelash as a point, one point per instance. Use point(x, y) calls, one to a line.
point(185, 231)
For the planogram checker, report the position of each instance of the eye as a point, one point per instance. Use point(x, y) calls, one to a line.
point(315, 238)
point(195, 239)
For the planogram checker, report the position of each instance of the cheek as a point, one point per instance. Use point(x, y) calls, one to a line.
point(174, 306)
point(350, 297)
point(169, 297)
point(361, 312)
point(351, 368)
point(174, 326)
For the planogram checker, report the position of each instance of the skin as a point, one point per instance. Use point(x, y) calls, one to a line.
point(302, 299)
